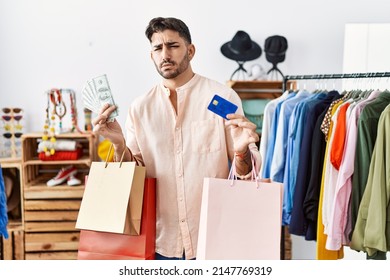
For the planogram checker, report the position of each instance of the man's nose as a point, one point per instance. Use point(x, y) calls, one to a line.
point(165, 53)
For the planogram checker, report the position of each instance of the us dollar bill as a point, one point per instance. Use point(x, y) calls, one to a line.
point(88, 103)
point(103, 93)
point(90, 95)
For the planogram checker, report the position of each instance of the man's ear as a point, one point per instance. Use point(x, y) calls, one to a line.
point(191, 51)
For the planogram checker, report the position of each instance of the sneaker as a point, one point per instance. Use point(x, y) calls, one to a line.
point(73, 181)
point(62, 176)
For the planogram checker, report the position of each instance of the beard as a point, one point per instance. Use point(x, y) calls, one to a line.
point(178, 68)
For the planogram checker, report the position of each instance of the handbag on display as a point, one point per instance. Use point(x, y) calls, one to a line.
point(96, 245)
point(113, 197)
point(240, 220)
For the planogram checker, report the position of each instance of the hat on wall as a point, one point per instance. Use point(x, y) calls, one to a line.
point(275, 52)
point(241, 48)
point(275, 49)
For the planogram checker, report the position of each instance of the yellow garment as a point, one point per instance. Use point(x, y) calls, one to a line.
point(322, 252)
point(103, 148)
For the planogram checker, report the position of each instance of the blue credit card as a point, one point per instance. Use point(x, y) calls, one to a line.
point(221, 106)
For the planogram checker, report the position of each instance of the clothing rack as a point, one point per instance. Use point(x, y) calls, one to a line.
point(335, 76)
point(327, 77)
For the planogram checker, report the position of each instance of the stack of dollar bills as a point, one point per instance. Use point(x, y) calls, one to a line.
point(96, 93)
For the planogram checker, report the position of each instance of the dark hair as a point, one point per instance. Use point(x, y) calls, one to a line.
point(160, 24)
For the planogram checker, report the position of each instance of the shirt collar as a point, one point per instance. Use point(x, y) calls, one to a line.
point(189, 84)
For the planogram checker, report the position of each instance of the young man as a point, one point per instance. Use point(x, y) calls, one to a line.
point(172, 133)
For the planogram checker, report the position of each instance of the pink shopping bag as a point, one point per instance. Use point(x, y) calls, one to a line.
point(240, 220)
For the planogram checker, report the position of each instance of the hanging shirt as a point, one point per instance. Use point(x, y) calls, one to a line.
point(330, 175)
point(371, 233)
point(272, 137)
point(279, 156)
point(337, 148)
point(180, 150)
point(335, 158)
point(292, 158)
point(318, 147)
point(367, 132)
point(299, 224)
point(312, 197)
point(322, 253)
point(269, 110)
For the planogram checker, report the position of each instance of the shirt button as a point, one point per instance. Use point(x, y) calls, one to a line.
point(178, 151)
point(182, 221)
point(177, 128)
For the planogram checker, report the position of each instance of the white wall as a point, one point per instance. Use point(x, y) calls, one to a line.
point(53, 43)
point(366, 49)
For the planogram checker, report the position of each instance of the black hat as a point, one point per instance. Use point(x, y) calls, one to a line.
point(241, 48)
point(275, 49)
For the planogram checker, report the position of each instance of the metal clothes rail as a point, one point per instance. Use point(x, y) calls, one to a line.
point(335, 76)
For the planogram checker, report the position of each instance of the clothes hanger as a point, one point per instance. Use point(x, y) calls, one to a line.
point(325, 86)
point(370, 88)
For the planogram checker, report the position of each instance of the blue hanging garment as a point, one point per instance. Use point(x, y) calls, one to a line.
point(3, 207)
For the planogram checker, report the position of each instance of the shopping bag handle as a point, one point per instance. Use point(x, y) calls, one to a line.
point(108, 155)
point(254, 175)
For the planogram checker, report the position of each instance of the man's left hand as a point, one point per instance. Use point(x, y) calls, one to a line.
point(243, 132)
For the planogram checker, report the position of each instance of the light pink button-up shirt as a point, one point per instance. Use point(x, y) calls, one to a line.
point(180, 150)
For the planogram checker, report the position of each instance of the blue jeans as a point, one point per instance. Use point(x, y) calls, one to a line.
point(161, 257)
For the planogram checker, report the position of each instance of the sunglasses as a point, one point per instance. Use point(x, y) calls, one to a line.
point(12, 110)
point(8, 118)
point(8, 127)
point(8, 135)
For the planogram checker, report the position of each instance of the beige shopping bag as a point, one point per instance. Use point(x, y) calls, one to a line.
point(113, 196)
point(240, 220)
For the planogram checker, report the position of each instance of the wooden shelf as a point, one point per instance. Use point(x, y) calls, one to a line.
point(72, 135)
point(50, 213)
point(13, 247)
point(84, 160)
point(12, 167)
point(10, 162)
point(259, 89)
point(57, 192)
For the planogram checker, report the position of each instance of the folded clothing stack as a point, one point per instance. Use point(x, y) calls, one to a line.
point(64, 150)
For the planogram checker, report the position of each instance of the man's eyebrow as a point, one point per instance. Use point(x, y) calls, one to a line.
point(156, 45)
point(172, 43)
point(167, 43)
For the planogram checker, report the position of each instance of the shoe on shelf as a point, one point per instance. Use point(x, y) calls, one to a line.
point(62, 176)
point(73, 181)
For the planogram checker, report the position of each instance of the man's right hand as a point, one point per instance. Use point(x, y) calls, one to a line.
point(109, 130)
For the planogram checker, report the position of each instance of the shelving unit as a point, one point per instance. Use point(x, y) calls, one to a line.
point(260, 89)
point(50, 213)
point(13, 247)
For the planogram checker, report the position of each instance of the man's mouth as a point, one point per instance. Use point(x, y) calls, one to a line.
point(166, 65)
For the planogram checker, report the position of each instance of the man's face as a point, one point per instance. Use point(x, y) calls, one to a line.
point(170, 53)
